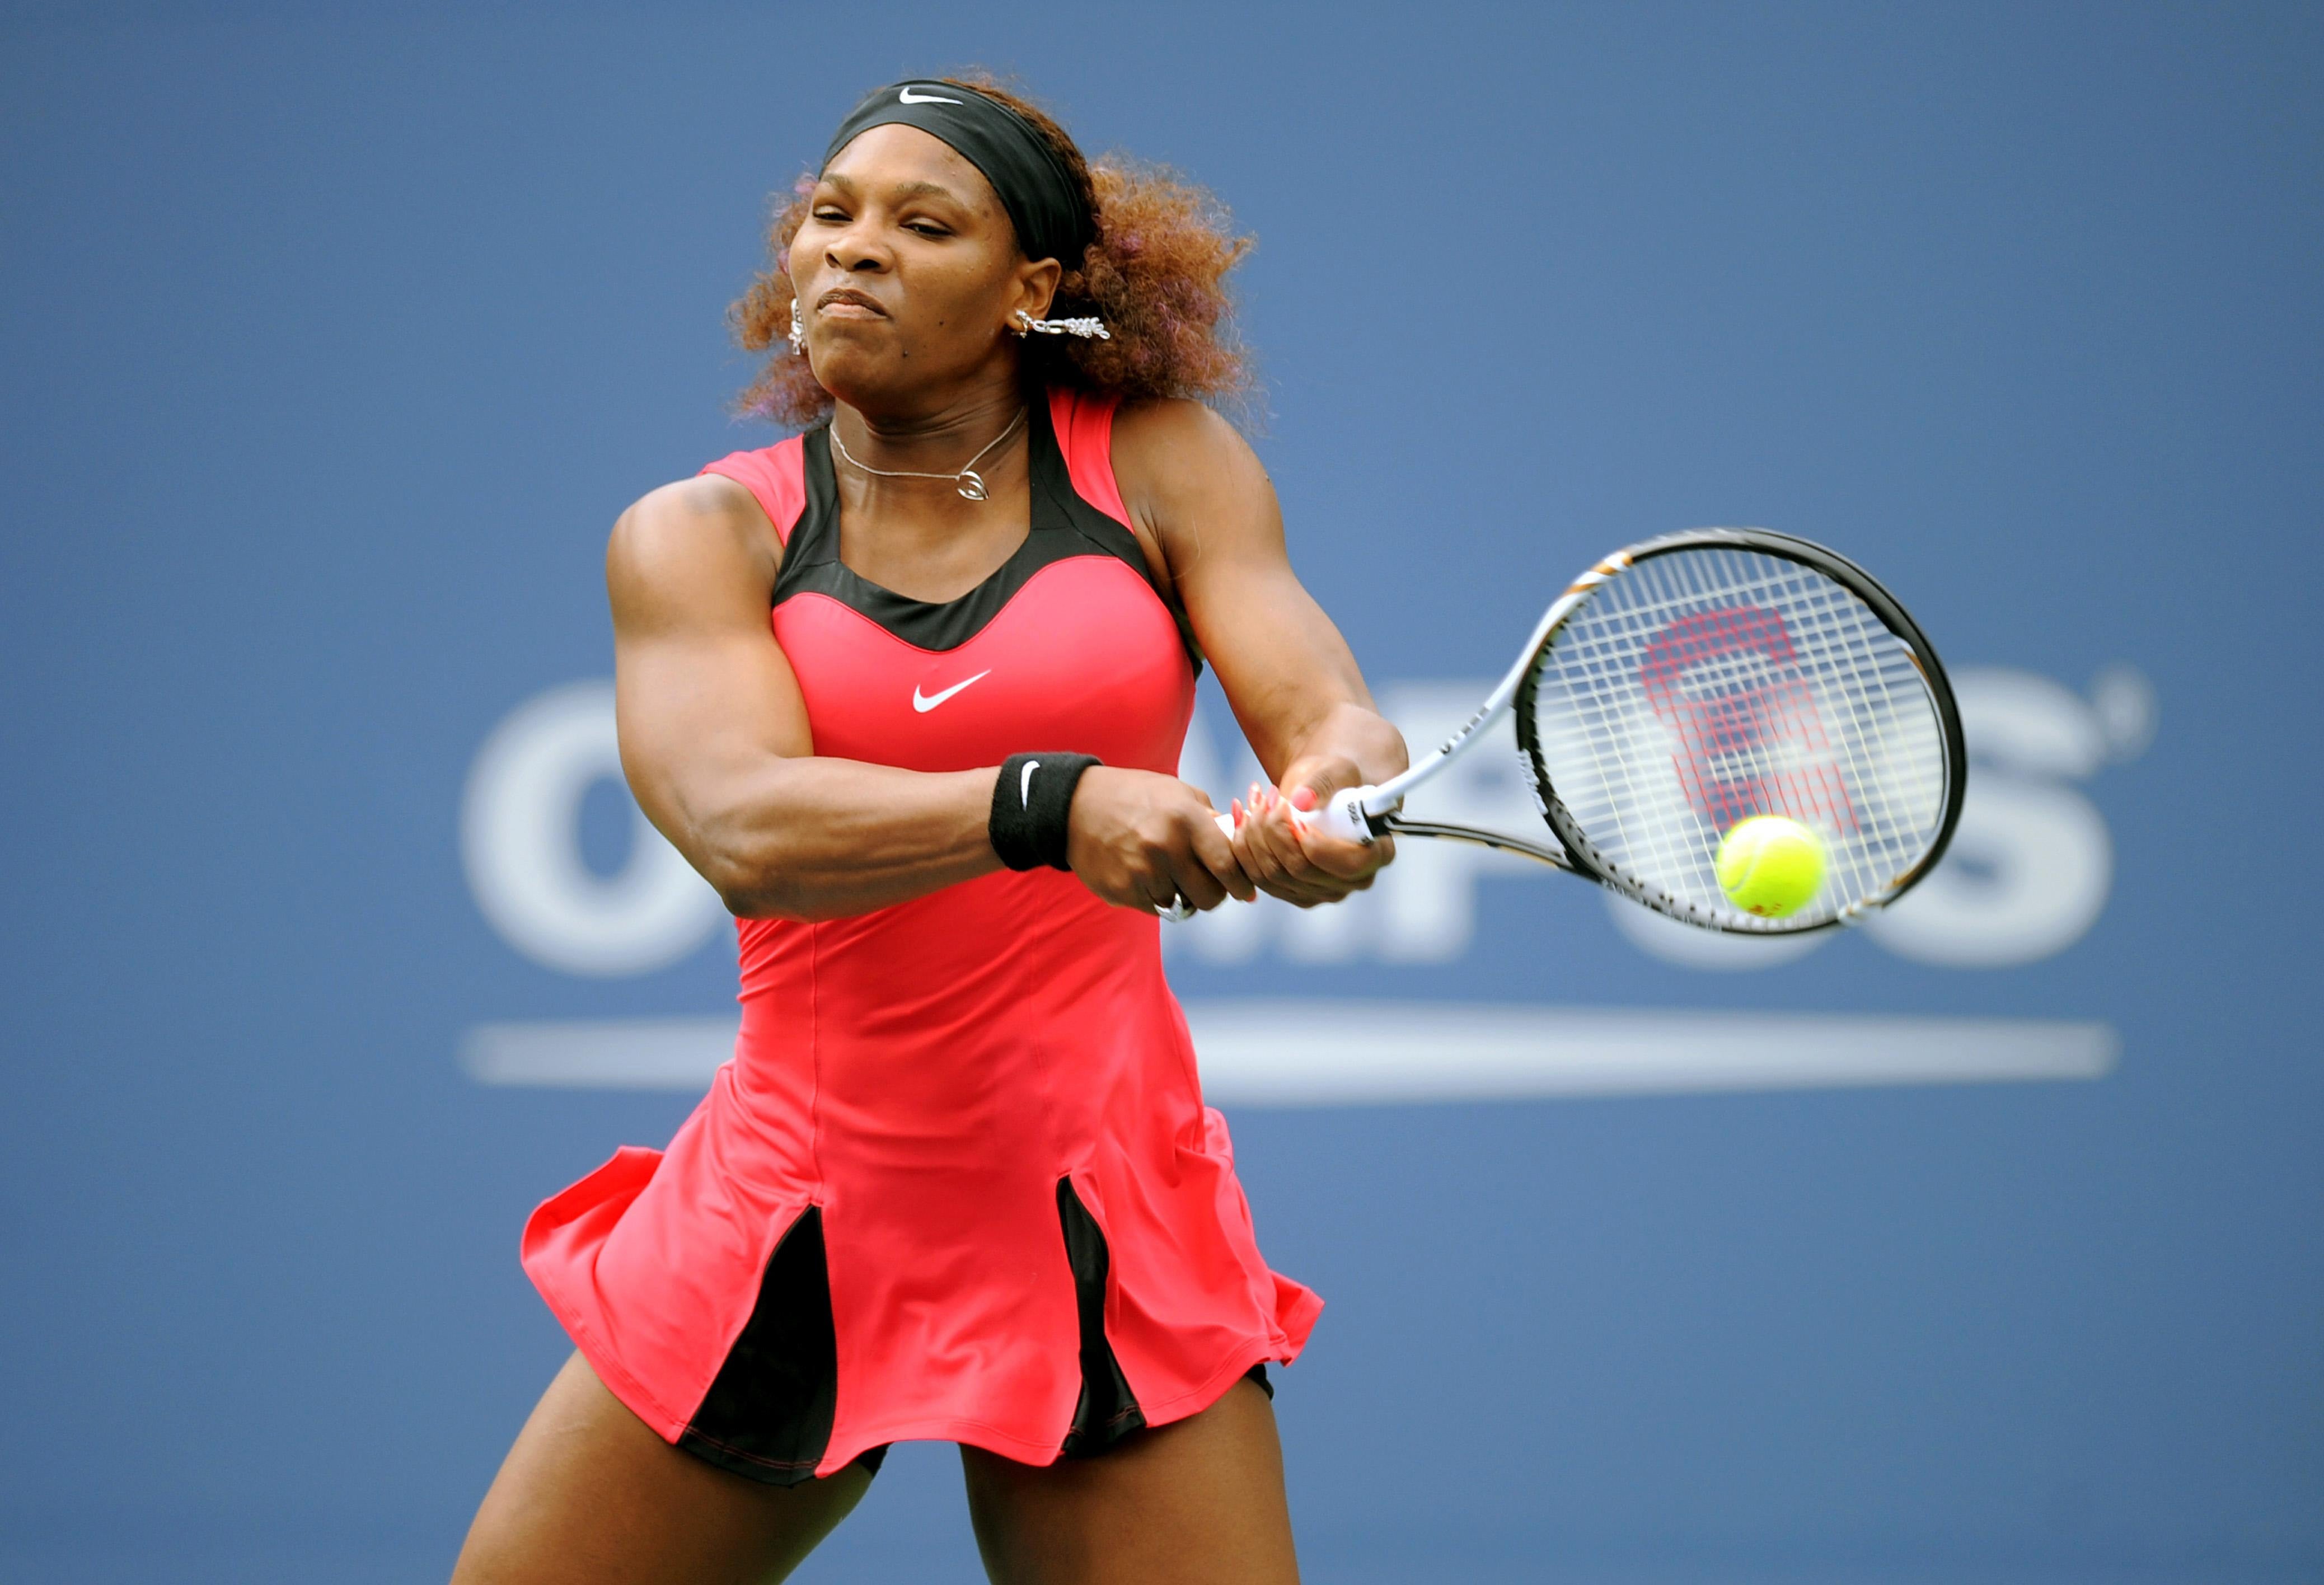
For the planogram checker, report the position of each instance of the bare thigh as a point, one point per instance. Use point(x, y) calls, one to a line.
point(1197, 1502)
point(591, 1496)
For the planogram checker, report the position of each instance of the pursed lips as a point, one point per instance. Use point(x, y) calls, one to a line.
point(842, 297)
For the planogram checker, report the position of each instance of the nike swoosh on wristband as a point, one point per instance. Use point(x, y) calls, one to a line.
point(1025, 782)
point(924, 704)
point(906, 97)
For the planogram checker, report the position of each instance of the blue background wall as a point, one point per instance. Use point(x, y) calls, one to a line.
point(331, 342)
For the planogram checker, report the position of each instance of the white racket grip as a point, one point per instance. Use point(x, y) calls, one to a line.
point(1341, 816)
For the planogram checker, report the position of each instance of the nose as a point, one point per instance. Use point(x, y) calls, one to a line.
point(855, 248)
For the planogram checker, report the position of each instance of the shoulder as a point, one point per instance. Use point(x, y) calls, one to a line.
point(708, 512)
point(1176, 455)
point(1184, 470)
point(706, 531)
point(1173, 430)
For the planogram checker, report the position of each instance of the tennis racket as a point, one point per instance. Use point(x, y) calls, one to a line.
point(1688, 683)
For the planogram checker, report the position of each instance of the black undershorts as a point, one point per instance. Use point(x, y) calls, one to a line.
point(870, 1460)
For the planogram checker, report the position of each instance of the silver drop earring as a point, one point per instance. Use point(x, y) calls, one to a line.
point(1025, 325)
point(798, 327)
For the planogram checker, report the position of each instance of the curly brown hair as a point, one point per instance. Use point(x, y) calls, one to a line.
point(1156, 274)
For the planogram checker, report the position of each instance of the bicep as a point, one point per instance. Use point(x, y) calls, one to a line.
point(1282, 663)
point(702, 695)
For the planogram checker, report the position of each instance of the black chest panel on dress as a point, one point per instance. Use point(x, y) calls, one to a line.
point(1064, 526)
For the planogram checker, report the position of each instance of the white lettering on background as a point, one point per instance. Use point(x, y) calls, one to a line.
point(520, 843)
point(2026, 877)
point(2031, 864)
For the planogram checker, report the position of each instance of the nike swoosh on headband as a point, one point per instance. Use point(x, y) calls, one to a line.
point(930, 702)
point(906, 97)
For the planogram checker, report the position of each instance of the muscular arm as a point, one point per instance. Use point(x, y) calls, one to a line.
point(715, 738)
point(1200, 492)
point(716, 747)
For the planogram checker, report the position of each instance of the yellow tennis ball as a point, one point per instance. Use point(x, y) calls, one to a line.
point(1770, 866)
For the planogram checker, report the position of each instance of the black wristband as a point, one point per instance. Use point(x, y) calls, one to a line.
point(1030, 804)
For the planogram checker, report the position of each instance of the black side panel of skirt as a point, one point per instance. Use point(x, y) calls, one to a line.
point(767, 1415)
point(1107, 1411)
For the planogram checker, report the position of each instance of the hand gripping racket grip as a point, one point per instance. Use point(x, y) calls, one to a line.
point(1343, 817)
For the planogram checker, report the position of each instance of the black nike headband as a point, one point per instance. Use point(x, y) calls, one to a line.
point(1052, 219)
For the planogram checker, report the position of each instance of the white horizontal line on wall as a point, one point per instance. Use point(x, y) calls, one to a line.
point(600, 1054)
point(1279, 1053)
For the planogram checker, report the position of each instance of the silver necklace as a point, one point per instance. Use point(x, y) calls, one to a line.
point(968, 481)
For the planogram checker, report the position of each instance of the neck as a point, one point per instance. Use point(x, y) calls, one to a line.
point(936, 440)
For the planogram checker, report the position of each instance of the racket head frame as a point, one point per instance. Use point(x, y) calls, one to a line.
point(1518, 690)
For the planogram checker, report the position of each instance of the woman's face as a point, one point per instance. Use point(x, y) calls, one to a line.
point(908, 272)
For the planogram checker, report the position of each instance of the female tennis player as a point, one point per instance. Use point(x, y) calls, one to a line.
point(909, 691)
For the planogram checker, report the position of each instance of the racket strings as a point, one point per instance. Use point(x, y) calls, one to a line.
point(1704, 686)
point(1769, 752)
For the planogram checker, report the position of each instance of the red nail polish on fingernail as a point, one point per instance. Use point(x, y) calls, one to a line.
point(1303, 798)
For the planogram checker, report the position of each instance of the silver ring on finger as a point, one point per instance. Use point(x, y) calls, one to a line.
point(1176, 909)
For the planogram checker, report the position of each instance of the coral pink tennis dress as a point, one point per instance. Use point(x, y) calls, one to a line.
point(958, 1183)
